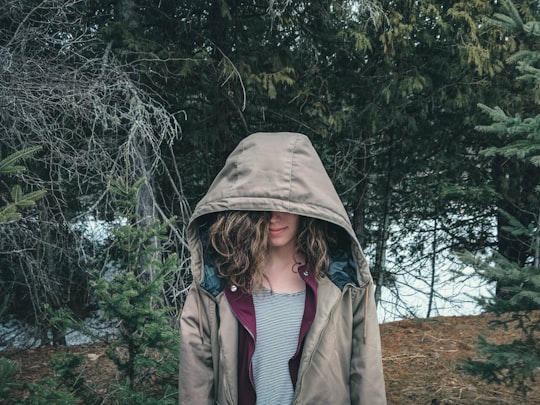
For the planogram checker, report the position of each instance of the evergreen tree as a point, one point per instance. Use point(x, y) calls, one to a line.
point(15, 202)
point(10, 211)
point(145, 350)
point(413, 178)
point(517, 277)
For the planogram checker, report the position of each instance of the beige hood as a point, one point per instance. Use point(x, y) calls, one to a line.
point(275, 172)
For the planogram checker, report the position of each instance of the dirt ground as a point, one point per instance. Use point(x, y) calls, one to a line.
point(421, 360)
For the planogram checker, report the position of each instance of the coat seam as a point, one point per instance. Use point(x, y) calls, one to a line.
point(293, 152)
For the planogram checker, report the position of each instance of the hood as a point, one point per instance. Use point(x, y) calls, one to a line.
point(277, 172)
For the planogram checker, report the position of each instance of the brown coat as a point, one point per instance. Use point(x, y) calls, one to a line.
point(341, 359)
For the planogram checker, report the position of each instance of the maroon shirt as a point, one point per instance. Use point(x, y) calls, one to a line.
point(241, 303)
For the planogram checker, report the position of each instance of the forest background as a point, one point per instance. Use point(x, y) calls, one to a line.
point(116, 116)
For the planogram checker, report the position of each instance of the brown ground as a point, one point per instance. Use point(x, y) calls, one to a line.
point(421, 361)
point(420, 356)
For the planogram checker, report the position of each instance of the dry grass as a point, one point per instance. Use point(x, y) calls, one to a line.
point(421, 360)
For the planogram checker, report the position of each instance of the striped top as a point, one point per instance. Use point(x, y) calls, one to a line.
point(278, 319)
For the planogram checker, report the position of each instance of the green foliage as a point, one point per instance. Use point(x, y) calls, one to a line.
point(47, 394)
point(145, 349)
point(9, 165)
point(19, 200)
point(146, 344)
point(518, 284)
point(125, 395)
point(510, 20)
point(8, 369)
point(69, 373)
point(44, 392)
point(63, 319)
point(520, 288)
point(271, 81)
point(514, 364)
point(523, 135)
point(69, 384)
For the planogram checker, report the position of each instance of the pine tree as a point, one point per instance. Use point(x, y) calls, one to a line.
point(145, 350)
point(518, 294)
point(15, 199)
point(18, 199)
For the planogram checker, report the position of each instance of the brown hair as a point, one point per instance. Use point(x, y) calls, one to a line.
point(239, 239)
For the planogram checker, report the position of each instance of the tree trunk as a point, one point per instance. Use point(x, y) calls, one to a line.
point(433, 270)
point(382, 240)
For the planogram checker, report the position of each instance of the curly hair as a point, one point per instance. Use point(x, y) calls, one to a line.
point(239, 242)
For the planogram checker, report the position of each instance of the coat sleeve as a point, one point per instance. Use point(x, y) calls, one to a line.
point(196, 377)
point(366, 377)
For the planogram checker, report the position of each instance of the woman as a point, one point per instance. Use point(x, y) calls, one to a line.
point(281, 310)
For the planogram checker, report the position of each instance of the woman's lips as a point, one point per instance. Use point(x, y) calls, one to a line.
point(275, 231)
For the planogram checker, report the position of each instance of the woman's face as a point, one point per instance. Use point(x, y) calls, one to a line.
point(283, 229)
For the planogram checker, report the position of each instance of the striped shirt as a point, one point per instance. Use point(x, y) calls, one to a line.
point(278, 319)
